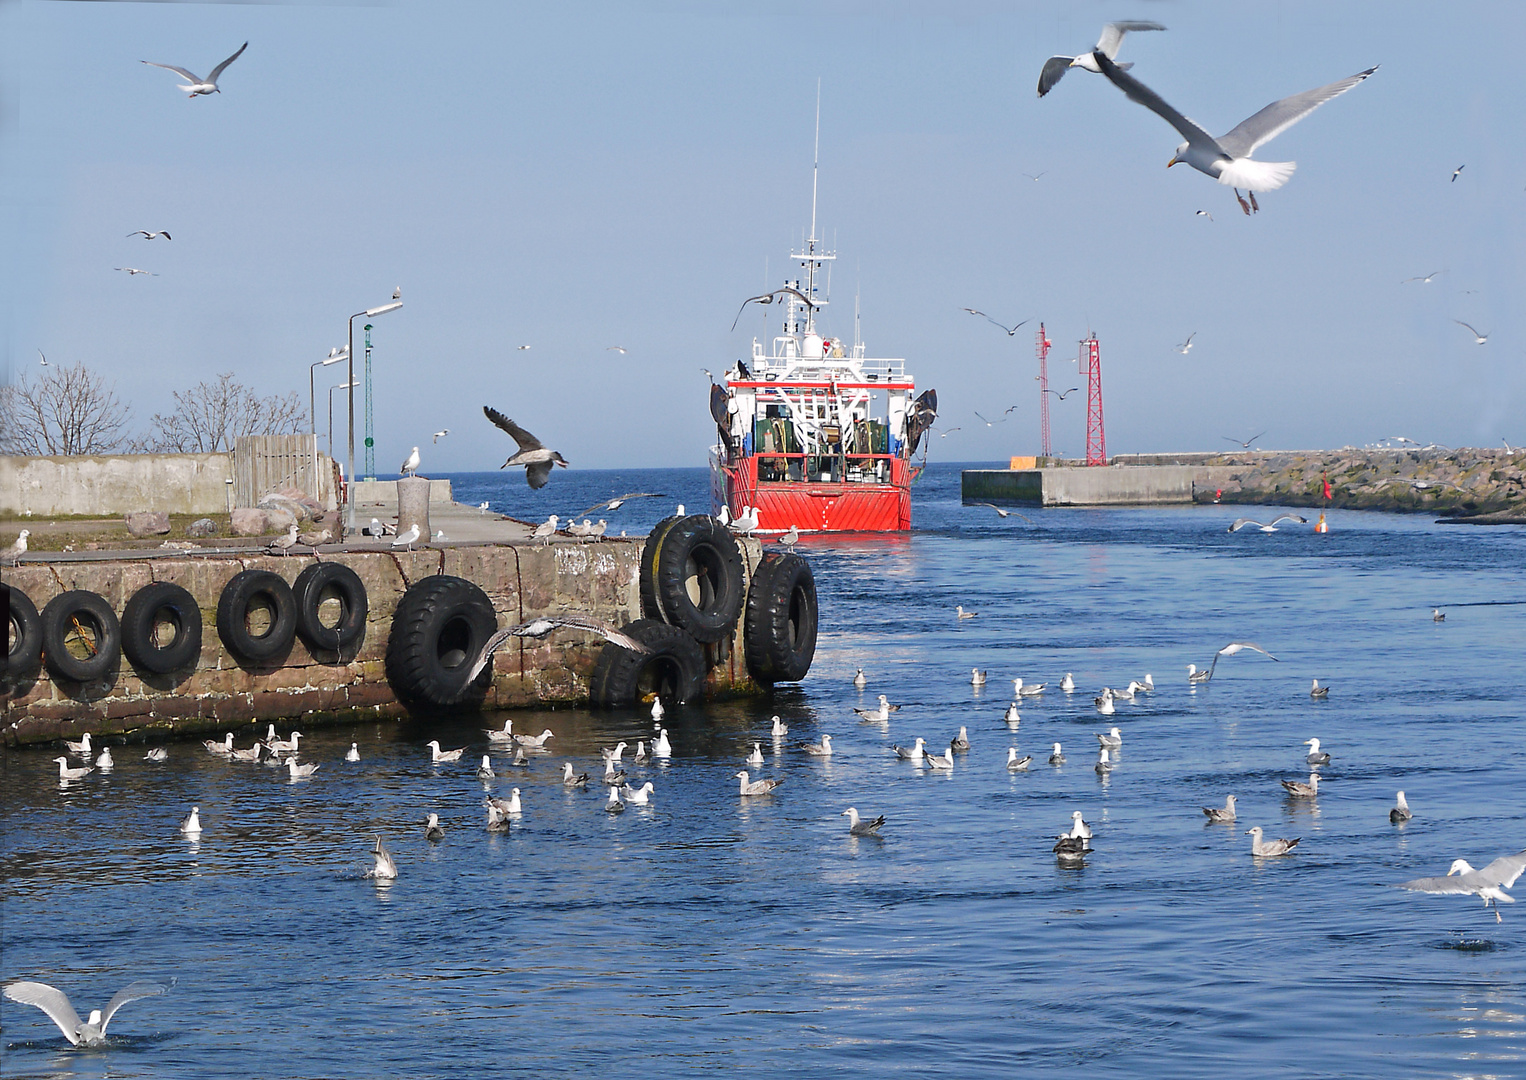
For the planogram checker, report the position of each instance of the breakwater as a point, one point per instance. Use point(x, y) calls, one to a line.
point(1483, 484)
point(344, 665)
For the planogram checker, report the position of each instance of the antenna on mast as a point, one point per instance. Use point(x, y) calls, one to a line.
point(816, 159)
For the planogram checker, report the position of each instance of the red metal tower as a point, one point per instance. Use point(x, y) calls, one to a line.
point(1096, 437)
point(1041, 346)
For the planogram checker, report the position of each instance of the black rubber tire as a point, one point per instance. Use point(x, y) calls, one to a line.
point(675, 669)
point(651, 551)
point(438, 630)
point(312, 587)
point(95, 614)
point(779, 637)
point(701, 580)
point(25, 655)
point(233, 614)
point(166, 601)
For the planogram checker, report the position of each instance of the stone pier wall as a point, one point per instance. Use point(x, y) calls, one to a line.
point(523, 580)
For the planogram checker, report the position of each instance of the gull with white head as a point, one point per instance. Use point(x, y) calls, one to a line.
point(60, 1010)
point(1489, 884)
point(1112, 37)
point(198, 85)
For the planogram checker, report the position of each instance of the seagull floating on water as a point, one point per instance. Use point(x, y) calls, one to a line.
point(535, 742)
point(1079, 829)
point(1489, 883)
point(756, 757)
point(66, 773)
point(661, 747)
point(1105, 702)
point(1400, 812)
point(1022, 689)
point(960, 613)
point(1113, 740)
point(485, 770)
point(1437, 615)
point(944, 761)
point(300, 772)
point(83, 746)
point(1015, 763)
point(1316, 756)
point(60, 1010)
point(914, 754)
point(821, 749)
point(438, 756)
point(1011, 716)
point(1267, 848)
point(191, 826)
point(860, 680)
point(199, 85)
point(1319, 692)
point(779, 729)
point(1300, 790)
point(640, 796)
point(1221, 813)
point(977, 677)
point(1057, 757)
point(960, 742)
point(570, 780)
point(105, 762)
point(432, 830)
point(1196, 676)
point(880, 714)
point(614, 805)
point(158, 753)
point(860, 827)
point(386, 867)
point(1067, 684)
point(757, 787)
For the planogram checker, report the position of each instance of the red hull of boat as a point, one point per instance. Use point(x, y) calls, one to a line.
point(813, 506)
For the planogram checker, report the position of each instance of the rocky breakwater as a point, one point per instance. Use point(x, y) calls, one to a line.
point(1482, 486)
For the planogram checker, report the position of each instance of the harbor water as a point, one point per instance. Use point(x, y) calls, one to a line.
point(712, 932)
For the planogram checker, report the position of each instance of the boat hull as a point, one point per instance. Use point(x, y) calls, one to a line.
point(814, 506)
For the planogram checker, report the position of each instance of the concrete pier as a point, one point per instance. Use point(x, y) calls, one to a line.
point(221, 693)
point(1106, 485)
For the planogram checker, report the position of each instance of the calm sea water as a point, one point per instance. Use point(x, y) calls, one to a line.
point(711, 932)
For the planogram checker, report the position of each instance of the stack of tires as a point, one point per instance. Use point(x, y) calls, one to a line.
point(694, 589)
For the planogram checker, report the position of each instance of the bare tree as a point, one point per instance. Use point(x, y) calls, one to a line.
point(210, 415)
point(67, 410)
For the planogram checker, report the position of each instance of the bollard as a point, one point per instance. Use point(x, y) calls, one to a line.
point(413, 506)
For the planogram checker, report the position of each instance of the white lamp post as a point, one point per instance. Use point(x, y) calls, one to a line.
point(369, 313)
point(335, 356)
point(341, 386)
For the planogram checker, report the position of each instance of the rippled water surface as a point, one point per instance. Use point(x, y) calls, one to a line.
point(713, 932)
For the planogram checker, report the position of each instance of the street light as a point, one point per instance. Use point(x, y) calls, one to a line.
point(369, 313)
point(335, 355)
point(341, 386)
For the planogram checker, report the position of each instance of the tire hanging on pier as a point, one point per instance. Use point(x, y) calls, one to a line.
point(156, 606)
point(651, 607)
point(322, 582)
point(701, 578)
point(674, 670)
point(244, 595)
point(81, 638)
point(779, 636)
point(438, 631)
point(25, 655)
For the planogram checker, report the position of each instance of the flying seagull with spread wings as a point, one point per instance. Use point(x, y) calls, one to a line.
point(1112, 37)
point(771, 297)
point(531, 454)
point(1489, 883)
point(616, 503)
point(1009, 329)
point(541, 627)
point(199, 85)
point(60, 1010)
point(1228, 158)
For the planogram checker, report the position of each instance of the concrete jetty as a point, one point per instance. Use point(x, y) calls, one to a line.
point(220, 691)
point(1109, 485)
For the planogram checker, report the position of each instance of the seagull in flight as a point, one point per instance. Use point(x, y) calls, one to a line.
point(950, 431)
point(531, 454)
point(150, 235)
point(1246, 443)
point(523, 348)
point(60, 1010)
point(1009, 329)
point(1234, 647)
point(1426, 280)
point(542, 627)
point(441, 434)
point(1489, 883)
point(1456, 172)
point(616, 348)
point(1003, 513)
point(1112, 37)
point(988, 423)
point(1061, 394)
point(1478, 339)
point(771, 297)
point(1186, 347)
point(1203, 213)
point(45, 360)
point(199, 85)
point(132, 271)
point(1241, 523)
point(1227, 159)
point(616, 503)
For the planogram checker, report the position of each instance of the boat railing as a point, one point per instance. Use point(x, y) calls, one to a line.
point(828, 368)
point(830, 468)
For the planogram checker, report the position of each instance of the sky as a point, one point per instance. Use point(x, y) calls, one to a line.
point(582, 175)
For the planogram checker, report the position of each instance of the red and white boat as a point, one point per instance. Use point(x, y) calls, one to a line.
point(814, 434)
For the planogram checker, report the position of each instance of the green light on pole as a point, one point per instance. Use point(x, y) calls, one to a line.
point(370, 431)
